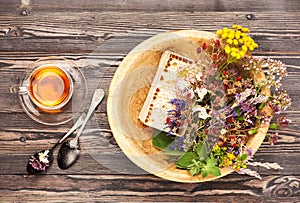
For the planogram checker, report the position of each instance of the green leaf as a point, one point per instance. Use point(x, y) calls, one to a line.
point(195, 167)
point(258, 120)
point(204, 173)
point(238, 112)
point(195, 171)
point(186, 159)
point(201, 122)
point(244, 157)
point(262, 105)
point(210, 168)
point(241, 118)
point(202, 150)
point(161, 140)
point(211, 162)
point(274, 126)
point(253, 131)
point(215, 171)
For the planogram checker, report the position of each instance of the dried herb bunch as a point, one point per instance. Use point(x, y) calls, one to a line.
point(230, 100)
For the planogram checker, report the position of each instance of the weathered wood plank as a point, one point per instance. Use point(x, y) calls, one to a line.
point(85, 32)
point(154, 5)
point(16, 163)
point(90, 24)
point(101, 188)
point(17, 147)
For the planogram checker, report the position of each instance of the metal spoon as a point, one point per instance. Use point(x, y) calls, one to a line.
point(70, 150)
point(43, 159)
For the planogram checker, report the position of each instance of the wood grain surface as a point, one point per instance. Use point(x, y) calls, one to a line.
point(97, 35)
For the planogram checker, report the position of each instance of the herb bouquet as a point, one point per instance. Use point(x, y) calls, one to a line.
point(224, 107)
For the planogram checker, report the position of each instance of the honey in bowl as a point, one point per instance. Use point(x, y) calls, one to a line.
point(50, 87)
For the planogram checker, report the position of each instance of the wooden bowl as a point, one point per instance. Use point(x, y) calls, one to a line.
point(128, 91)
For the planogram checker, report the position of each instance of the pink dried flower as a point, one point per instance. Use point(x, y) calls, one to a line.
point(36, 164)
point(273, 138)
point(283, 121)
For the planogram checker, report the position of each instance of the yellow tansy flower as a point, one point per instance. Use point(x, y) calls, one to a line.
point(247, 43)
point(233, 54)
point(219, 32)
point(233, 49)
point(227, 49)
point(235, 42)
point(224, 35)
point(230, 156)
point(245, 30)
point(231, 35)
point(234, 26)
point(242, 53)
point(237, 35)
point(225, 30)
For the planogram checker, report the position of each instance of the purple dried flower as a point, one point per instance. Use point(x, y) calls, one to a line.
point(234, 114)
point(180, 104)
point(236, 151)
point(174, 121)
point(227, 126)
point(227, 109)
point(250, 151)
point(230, 150)
point(245, 108)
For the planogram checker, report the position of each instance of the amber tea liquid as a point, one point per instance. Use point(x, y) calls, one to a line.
point(50, 87)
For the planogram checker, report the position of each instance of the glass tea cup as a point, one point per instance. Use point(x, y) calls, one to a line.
point(48, 87)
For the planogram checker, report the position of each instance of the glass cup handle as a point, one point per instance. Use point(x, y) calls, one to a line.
point(22, 90)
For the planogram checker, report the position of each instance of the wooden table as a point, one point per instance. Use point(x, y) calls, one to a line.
point(30, 29)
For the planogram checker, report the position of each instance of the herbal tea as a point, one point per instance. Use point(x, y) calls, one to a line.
point(50, 87)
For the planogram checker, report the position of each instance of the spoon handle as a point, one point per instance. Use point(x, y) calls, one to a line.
point(75, 126)
point(97, 98)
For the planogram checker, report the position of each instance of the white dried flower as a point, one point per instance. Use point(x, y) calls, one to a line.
point(43, 156)
point(201, 112)
point(266, 165)
point(201, 93)
point(259, 99)
point(199, 76)
point(223, 131)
